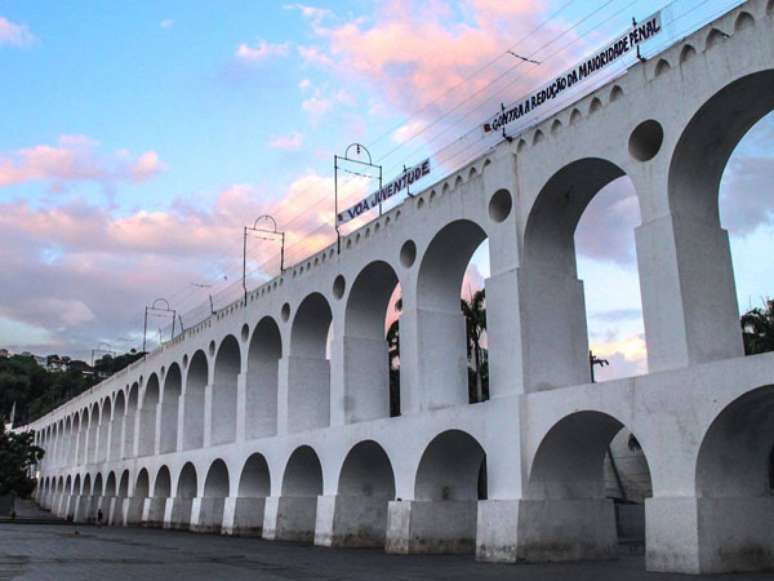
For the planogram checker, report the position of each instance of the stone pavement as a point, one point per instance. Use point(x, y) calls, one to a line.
point(58, 553)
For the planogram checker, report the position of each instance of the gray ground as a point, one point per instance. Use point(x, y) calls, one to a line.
point(56, 552)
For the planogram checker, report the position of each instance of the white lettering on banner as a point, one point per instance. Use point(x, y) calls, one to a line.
point(408, 177)
point(611, 53)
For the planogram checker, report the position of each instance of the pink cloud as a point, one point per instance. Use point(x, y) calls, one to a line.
point(415, 54)
point(75, 158)
point(14, 34)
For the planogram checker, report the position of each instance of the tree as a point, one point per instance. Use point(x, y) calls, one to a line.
point(758, 329)
point(474, 311)
point(17, 455)
point(393, 359)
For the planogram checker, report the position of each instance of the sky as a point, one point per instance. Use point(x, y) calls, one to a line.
point(136, 140)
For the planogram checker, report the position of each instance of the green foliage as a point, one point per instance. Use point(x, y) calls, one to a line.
point(17, 455)
point(36, 391)
point(758, 329)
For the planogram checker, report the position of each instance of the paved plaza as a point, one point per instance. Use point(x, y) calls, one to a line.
point(60, 552)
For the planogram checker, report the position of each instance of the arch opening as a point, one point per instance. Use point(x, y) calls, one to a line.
point(452, 356)
point(254, 487)
point(103, 443)
point(585, 215)
point(302, 483)
point(132, 405)
point(372, 334)
point(734, 486)
point(110, 485)
point(117, 427)
point(148, 412)
point(452, 475)
point(212, 503)
point(718, 186)
point(93, 434)
point(162, 487)
point(173, 385)
point(309, 374)
point(262, 386)
point(193, 416)
point(588, 468)
point(228, 365)
point(366, 486)
point(255, 481)
point(142, 485)
point(187, 489)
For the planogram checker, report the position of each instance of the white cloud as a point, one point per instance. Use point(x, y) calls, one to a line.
point(314, 56)
point(14, 34)
point(406, 132)
point(261, 51)
point(316, 106)
point(292, 142)
point(304, 84)
point(167, 23)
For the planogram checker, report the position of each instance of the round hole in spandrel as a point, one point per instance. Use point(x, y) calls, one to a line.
point(408, 253)
point(500, 206)
point(646, 139)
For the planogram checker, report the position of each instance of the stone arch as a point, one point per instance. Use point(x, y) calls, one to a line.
point(302, 483)
point(709, 139)
point(698, 162)
point(148, 412)
point(187, 482)
point(255, 479)
point(132, 403)
point(86, 490)
point(77, 485)
point(616, 93)
point(309, 369)
point(575, 116)
point(98, 485)
point(69, 484)
point(556, 126)
point(263, 357)
point(452, 475)
point(367, 387)
point(662, 67)
point(744, 21)
point(76, 429)
point(117, 426)
point(687, 53)
point(538, 137)
point(123, 485)
point(91, 452)
point(187, 489)
point(227, 367)
point(110, 484)
point(566, 491)
point(733, 459)
point(366, 485)
point(173, 386)
point(553, 294)
point(442, 346)
point(193, 416)
point(103, 444)
point(162, 485)
point(254, 487)
point(596, 105)
point(212, 503)
point(142, 484)
point(714, 37)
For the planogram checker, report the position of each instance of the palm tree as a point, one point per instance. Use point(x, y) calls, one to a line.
point(758, 329)
point(474, 311)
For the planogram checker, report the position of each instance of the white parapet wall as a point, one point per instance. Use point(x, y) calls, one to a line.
point(256, 422)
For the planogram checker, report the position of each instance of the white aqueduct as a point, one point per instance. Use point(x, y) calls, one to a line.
point(247, 424)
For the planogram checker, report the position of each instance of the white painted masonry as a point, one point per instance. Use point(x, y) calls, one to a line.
point(242, 425)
